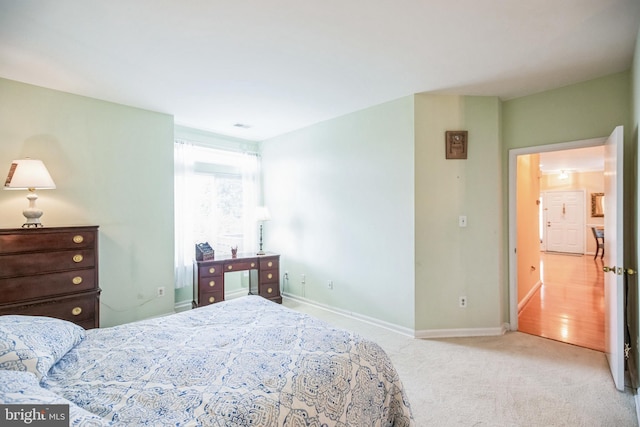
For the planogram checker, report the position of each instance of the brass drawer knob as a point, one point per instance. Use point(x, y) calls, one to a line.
point(269, 276)
point(212, 283)
point(78, 258)
point(78, 238)
point(212, 300)
point(269, 290)
point(77, 280)
point(76, 311)
point(212, 270)
point(230, 267)
point(270, 264)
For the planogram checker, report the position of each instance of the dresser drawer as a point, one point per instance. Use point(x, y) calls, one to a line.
point(46, 285)
point(28, 263)
point(79, 309)
point(38, 240)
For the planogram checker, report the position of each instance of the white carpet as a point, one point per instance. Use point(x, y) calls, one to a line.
point(511, 380)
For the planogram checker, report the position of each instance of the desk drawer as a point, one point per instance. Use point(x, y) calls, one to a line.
point(269, 263)
point(77, 309)
point(26, 264)
point(269, 290)
point(212, 283)
point(46, 285)
point(210, 270)
point(239, 266)
point(206, 298)
point(39, 240)
point(269, 276)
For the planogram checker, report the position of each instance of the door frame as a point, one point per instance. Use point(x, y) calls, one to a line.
point(513, 226)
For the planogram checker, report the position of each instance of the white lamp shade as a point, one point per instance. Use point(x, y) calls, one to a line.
point(28, 173)
point(262, 213)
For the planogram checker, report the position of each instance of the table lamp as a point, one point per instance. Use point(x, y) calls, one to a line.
point(262, 214)
point(29, 174)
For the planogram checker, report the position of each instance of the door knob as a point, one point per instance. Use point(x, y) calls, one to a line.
point(609, 269)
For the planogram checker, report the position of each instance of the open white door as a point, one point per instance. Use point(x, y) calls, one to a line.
point(614, 255)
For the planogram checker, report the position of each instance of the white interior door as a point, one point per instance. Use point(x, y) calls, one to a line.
point(614, 255)
point(564, 221)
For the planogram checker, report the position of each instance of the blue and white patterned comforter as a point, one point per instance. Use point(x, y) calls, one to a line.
point(244, 362)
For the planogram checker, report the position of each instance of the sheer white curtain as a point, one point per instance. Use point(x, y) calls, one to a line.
point(250, 191)
point(184, 247)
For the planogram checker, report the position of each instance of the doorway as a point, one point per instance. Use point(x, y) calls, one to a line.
point(570, 240)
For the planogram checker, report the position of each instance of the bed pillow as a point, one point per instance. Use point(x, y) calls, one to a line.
point(22, 388)
point(35, 343)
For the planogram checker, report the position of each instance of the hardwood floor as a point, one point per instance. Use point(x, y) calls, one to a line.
point(569, 306)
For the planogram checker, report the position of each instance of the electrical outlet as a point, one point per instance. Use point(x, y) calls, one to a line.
point(303, 280)
point(330, 284)
point(463, 302)
point(462, 221)
point(286, 275)
point(161, 291)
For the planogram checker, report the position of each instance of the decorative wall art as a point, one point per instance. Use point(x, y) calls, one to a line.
point(456, 144)
point(597, 204)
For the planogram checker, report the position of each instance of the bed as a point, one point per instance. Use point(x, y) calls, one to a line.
point(243, 362)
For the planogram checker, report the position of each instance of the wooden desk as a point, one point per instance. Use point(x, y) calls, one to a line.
point(208, 277)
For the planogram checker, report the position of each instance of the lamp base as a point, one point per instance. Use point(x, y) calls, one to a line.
point(261, 253)
point(32, 225)
point(32, 213)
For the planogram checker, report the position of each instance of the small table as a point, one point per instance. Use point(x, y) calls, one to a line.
point(208, 277)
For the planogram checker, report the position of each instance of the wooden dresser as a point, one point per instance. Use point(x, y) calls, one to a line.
point(208, 280)
point(51, 271)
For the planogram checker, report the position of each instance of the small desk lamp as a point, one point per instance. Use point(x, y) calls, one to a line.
point(29, 174)
point(262, 214)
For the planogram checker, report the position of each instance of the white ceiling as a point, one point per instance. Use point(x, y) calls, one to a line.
point(590, 159)
point(280, 65)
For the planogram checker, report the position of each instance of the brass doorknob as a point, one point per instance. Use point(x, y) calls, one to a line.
point(609, 269)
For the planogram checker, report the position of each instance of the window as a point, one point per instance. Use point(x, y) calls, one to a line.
point(217, 217)
point(215, 197)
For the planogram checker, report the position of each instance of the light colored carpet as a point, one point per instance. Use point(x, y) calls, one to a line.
point(511, 380)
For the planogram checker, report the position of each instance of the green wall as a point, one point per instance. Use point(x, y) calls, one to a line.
point(341, 196)
point(453, 261)
point(113, 167)
point(580, 111)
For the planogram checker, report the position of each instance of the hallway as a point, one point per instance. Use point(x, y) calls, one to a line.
point(569, 306)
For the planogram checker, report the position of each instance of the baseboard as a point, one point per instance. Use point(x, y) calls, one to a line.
point(529, 295)
point(462, 332)
point(236, 294)
point(376, 322)
point(182, 306)
point(429, 333)
point(637, 400)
